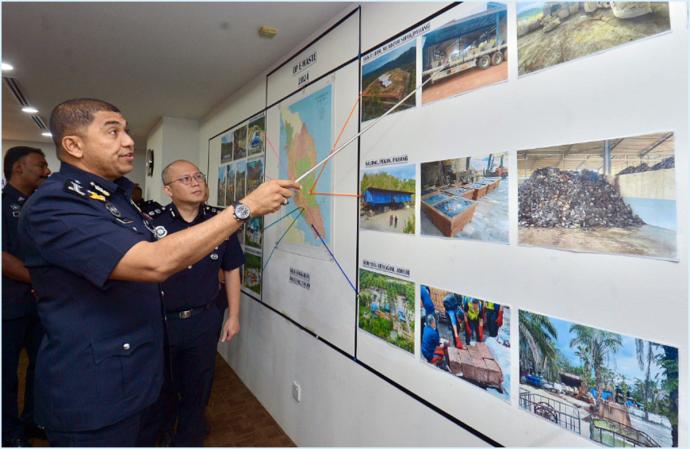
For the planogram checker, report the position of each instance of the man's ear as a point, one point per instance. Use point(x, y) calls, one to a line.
point(168, 191)
point(73, 145)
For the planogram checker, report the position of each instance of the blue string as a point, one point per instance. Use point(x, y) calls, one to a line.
point(281, 218)
point(335, 260)
point(281, 237)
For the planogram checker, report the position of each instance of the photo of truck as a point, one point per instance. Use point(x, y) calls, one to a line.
point(464, 54)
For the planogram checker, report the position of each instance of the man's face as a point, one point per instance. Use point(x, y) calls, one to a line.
point(183, 185)
point(108, 149)
point(33, 169)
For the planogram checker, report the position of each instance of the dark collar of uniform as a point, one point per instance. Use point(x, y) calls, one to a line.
point(72, 172)
point(175, 214)
point(13, 194)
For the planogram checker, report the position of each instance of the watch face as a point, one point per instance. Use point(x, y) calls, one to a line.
point(241, 211)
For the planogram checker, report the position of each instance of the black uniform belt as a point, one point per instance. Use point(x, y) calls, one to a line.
point(188, 313)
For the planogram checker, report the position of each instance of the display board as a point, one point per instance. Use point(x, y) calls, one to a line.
point(501, 186)
point(238, 156)
point(310, 268)
point(498, 239)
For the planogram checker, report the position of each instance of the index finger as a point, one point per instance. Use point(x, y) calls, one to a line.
point(288, 184)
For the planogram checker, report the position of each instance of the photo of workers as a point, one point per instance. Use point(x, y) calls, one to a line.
point(467, 337)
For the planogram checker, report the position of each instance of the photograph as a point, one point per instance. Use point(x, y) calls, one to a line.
point(255, 174)
point(240, 179)
point(221, 186)
point(468, 52)
point(616, 390)
point(226, 148)
point(240, 142)
point(230, 188)
point(550, 33)
point(615, 196)
point(467, 337)
point(253, 232)
point(256, 136)
point(386, 308)
point(388, 79)
point(466, 198)
point(387, 199)
point(251, 278)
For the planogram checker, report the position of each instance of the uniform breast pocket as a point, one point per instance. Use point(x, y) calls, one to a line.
point(133, 225)
point(128, 360)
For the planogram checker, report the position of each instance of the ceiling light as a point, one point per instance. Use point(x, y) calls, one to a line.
point(46, 134)
point(7, 67)
point(29, 110)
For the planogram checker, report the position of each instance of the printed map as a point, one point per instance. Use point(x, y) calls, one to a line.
point(305, 139)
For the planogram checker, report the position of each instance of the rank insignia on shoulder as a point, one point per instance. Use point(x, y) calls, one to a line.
point(100, 189)
point(75, 187)
point(15, 206)
point(160, 232)
point(112, 209)
point(96, 196)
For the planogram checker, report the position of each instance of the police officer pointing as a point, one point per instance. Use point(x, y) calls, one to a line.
point(96, 266)
point(193, 321)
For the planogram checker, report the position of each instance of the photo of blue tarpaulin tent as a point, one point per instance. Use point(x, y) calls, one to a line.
point(379, 198)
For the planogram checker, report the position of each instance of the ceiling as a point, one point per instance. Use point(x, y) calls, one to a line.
point(625, 152)
point(149, 59)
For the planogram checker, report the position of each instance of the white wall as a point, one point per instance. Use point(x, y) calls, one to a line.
point(171, 139)
point(344, 404)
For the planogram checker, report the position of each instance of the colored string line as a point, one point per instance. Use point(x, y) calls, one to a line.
point(268, 141)
point(335, 260)
point(281, 238)
point(337, 140)
point(282, 218)
point(371, 125)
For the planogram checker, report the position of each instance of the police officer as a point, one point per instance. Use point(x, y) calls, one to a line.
point(192, 317)
point(96, 267)
point(25, 169)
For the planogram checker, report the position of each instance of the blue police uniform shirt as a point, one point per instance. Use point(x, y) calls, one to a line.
point(101, 359)
point(430, 341)
point(17, 300)
point(198, 284)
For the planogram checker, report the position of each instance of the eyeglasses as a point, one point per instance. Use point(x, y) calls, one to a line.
point(187, 179)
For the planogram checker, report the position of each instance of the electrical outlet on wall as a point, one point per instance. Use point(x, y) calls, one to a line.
point(296, 392)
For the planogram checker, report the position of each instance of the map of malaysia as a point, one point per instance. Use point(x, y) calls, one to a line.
point(305, 139)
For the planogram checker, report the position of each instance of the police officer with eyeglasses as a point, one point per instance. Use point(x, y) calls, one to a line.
point(193, 321)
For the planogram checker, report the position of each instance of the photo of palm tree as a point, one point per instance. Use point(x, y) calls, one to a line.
point(613, 389)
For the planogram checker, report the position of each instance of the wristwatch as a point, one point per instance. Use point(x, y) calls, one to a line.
point(241, 212)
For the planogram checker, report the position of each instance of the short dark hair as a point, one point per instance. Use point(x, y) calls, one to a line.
point(71, 115)
point(14, 154)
